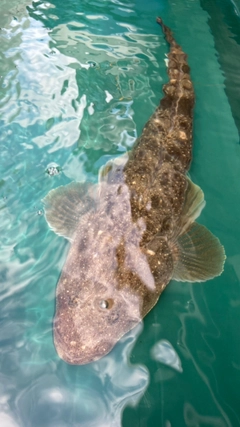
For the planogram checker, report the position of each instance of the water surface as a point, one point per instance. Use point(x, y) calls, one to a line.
point(78, 82)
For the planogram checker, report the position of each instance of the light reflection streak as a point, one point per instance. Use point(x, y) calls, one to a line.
point(208, 355)
point(163, 352)
point(66, 402)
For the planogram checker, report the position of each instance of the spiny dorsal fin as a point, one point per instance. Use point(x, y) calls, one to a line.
point(66, 204)
point(200, 255)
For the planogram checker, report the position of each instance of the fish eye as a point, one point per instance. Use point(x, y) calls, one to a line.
point(105, 304)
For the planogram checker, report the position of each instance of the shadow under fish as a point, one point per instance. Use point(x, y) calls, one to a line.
point(134, 231)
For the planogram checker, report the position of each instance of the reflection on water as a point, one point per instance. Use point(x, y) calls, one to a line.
point(51, 100)
point(67, 395)
point(165, 353)
point(77, 83)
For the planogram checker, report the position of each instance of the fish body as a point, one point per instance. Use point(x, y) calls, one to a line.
point(133, 231)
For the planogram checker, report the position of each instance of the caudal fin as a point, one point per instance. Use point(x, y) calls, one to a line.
point(167, 32)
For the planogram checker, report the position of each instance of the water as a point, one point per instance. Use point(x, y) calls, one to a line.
point(78, 82)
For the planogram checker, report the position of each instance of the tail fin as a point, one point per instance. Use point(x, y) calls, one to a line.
point(168, 33)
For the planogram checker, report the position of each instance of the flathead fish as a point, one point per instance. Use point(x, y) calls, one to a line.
point(133, 231)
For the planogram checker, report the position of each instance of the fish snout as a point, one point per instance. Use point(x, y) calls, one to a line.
point(79, 353)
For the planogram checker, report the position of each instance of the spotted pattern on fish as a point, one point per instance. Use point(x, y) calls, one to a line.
point(133, 231)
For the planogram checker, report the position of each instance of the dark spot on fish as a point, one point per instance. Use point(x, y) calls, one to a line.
point(119, 190)
point(120, 255)
point(186, 68)
point(82, 245)
point(113, 317)
point(166, 224)
point(165, 179)
point(155, 201)
point(183, 123)
point(141, 153)
point(151, 227)
point(73, 301)
point(109, 207)
point(185, 106)
point(166, 102)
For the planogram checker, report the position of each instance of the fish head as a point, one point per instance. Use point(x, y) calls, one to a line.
point(106, 288)
point(88, 324)
point(108, 283)
point(100, 294)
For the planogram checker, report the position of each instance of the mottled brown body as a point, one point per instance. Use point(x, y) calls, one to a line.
point(155, 172)
point(132, 232)
point(161, 157)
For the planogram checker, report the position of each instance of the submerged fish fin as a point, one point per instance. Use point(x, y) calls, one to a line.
point(66, 204)
point(200, 255)
point(193, 206)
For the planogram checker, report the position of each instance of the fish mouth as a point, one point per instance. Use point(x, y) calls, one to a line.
point(75, 353)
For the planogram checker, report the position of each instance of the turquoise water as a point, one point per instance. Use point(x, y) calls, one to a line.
point(78, 82)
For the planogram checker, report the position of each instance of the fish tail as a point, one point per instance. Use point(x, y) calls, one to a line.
point(167, 32)
point(167, 136)
point(176, 108)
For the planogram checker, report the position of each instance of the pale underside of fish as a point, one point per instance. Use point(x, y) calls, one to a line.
point(133, 231)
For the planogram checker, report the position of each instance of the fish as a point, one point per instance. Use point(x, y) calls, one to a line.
point(134, 230)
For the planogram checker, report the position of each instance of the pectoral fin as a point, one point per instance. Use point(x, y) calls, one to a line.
point(200, 255)
point(66, 204)
point(193, 206)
